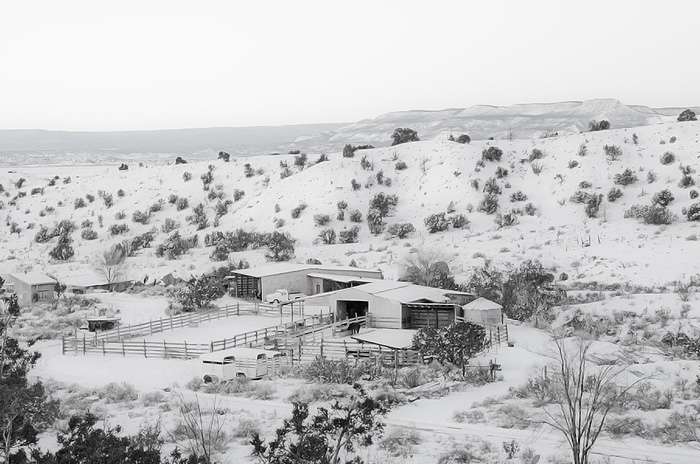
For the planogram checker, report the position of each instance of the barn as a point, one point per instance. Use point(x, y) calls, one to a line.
point(394, 305)
point(310, 279)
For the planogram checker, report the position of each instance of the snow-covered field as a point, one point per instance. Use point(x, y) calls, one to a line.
point(624, 270)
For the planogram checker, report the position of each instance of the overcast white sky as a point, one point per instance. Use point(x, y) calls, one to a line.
point(151, 64)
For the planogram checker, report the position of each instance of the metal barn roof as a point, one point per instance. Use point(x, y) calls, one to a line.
point(282, 268)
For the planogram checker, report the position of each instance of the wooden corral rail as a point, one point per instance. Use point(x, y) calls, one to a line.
point(341, 349)
point(496, 333)
point(267, 337)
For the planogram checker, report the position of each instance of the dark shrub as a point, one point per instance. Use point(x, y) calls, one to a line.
point(186, 176)
point(653, 214)
point(687, 115)
point(459, 221)
point(667, 158)
point(355, 185)
point(88, 234)
point(327, 236)
point(614, 194)
point(400, 230)
point(489, 204)
point(626, 177)
point(355, 216)
point(436, 223)
point(686, 181)
point(182, 203)
point(612, 152)
point(322, 219)
point(662, 198)
point(492, 154)
point(140, 217)
point(118, 229)
point(224, 156)
point(349, 235)
point(180, 160)
point(518, 196)
point(491, 187)
point(535, 155)
point(404, 135)
point(593, 205)
point(693, 194)
point(464, 138)
point(296, 212)
point(693, 212)
point(501, 172)
point(400, 165)
point(79, 203)
point(585, 184)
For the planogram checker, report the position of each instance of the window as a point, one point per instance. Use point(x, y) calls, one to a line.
point(43, 295)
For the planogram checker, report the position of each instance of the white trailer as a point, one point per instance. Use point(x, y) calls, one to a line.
point(220, 366)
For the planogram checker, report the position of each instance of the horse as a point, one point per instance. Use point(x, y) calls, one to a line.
point(354, 328)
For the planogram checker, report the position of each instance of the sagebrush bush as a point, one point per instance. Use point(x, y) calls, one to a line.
point(400, 230)
point(489, 204)
point(118, 393)
point(141, 217)
point(686, 181)
point(653, 214)
point(349, 235)
point(296, 212)
point(169, 225)
point(535, 154)
point(322, 219)
point(400, 165)
point(667, 158)
point(88, 234)
point(492, 154)
point(491, 187)
point(118, 229)
point(327, 236)
point(436, 223)
point(401, 442)
point(626, 177)
point(612, 152)
point(458, 221)
point(355, 216)
point(662, 198)
point(182, 203)
point(614, 194)
point(518, 196)
point(693, 212)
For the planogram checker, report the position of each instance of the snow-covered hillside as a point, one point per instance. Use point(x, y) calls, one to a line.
point(607, 248)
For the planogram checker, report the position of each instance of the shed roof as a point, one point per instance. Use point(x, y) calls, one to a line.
point(33, 278)
point(482, 304)
point(346, 279)
point(396, 339)
point(406, 292)
point(282, 268)
point(85, 280)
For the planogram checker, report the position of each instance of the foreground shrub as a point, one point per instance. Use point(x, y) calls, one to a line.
point(492, 154)
point(349, 235)
point(667, 158)
point(662, 198)
point(614, 194)
point(693, 212)
point(174, 246)
point(627, 177)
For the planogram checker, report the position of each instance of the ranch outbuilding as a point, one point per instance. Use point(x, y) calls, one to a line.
point(31, 287)
point(309, 279)
point(394, 305)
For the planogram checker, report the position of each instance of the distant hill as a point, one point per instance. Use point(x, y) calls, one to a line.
point(480, 122)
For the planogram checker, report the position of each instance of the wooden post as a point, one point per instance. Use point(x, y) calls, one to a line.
point(321, 345)
point(83, 345)
point(211, 346)
point(238, 308)
point(186, 357)
point(171, 323)
point(145, 354)
point(63, 345)
point(103, 348)
point(165, 350)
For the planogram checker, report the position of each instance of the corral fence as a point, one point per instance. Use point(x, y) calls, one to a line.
point(496, 333)
point(276, 337)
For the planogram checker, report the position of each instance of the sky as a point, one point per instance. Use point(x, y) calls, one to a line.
point(98, 65)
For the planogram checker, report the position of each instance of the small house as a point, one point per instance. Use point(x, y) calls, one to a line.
point(32, 287)
point(483, 311)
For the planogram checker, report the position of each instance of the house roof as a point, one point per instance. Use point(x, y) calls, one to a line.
point(482, 304)
point(33, 278)
point(282, 268)
point(391, 338)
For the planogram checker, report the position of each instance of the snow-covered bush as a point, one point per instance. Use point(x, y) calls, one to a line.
point(626, 177)
point(400, 230)
point(436, 223)
point(614, 194)
point(349, 235)
point(492, 154)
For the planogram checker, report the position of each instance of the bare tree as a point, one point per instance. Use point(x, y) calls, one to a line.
point(111, 263)
point(582, 394)
point(203, 431)
point(429, 267)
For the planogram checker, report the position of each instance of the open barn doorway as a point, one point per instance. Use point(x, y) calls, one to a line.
point(350, 309)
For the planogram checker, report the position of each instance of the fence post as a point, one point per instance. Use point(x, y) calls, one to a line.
point(171, 323)
point(150, 327)
point(63, 345)
point(103, 348)
point(238, 308)
point(83, 345)
point(123, 350)
point(321, 345)
point(211, 346)
point(145, 354)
